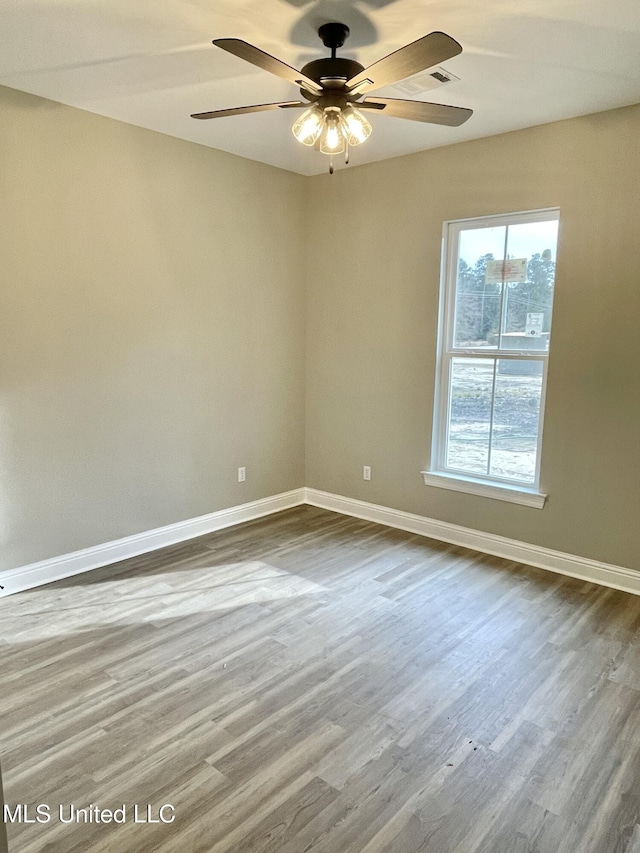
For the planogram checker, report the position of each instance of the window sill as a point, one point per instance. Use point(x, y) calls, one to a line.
point(512, 494)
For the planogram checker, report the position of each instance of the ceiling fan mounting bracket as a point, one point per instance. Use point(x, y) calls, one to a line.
point(333, 35)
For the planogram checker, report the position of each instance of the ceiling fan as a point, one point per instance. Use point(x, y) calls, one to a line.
point(334, 87)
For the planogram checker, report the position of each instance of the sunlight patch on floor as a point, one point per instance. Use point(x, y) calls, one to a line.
point(88, 605)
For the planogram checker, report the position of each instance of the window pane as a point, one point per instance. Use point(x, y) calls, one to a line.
point(477, 311)
point(470, 414)
point(516, 420)
point(527, 309)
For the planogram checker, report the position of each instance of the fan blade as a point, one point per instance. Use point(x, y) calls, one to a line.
point(255, 56)
point(408, 60)
point(420, 111)
point(258, 108)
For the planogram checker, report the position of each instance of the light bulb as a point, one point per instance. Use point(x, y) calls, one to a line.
point(357, 127)
point(333, 137)
point(309, 126)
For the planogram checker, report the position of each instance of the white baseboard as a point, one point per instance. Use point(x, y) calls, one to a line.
point(46, 571)
point(57, 568)
point(605, 574)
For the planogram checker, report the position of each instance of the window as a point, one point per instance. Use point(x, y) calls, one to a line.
point(493, 345)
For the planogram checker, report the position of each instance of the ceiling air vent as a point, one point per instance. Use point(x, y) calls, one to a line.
point(424, 82)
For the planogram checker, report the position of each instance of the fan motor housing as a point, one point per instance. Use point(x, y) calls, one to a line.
point(336, 71)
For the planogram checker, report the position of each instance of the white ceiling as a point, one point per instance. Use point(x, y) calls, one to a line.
point(151, 63)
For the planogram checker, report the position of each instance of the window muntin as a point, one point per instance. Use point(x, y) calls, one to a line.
point(493, 347)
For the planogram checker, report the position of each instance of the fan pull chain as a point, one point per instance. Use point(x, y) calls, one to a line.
point(331, 165)
point(346, 154)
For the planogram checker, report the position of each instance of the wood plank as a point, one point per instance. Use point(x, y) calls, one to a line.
point(311, 682)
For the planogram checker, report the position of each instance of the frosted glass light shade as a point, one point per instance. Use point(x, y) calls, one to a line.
point(309, 126)
point(358, 129)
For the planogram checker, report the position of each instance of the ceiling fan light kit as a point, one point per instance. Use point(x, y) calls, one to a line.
point(332, 130)
point(333, 88)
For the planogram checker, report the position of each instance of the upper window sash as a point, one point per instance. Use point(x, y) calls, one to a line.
point(451, 244)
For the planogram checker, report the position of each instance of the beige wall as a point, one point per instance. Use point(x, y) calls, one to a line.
point(372, 316)
point(151, 330)
point(3, 828)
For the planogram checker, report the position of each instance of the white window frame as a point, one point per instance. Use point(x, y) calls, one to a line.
point(439, 474)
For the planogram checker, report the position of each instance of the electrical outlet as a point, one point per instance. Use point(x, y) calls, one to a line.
point(366, 472)
point(242, 474)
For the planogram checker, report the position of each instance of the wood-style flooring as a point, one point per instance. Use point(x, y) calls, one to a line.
point(312, 682)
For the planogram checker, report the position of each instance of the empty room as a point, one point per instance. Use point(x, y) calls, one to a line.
point(319, 427)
